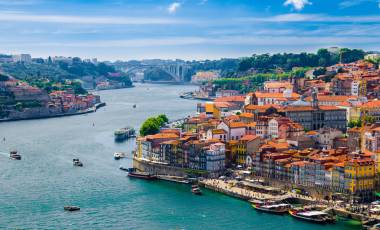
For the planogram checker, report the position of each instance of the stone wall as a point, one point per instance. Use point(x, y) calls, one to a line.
point(158, 169)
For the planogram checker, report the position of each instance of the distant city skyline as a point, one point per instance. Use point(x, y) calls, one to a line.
point(184, 29)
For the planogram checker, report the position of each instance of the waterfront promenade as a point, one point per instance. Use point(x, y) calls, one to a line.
point(230, 188)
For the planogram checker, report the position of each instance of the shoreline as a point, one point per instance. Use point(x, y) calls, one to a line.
point(89, 110)
point(230, 188)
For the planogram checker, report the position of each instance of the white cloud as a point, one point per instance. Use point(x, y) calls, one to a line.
point(312, 18)
point(297, 4)
point(266, 40)
point(351, 3)
point(7, 16)
point(174, 7)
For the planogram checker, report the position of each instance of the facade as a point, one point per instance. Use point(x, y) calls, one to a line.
point(359, 178)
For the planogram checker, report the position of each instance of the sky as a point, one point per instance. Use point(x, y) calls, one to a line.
point(185, 29)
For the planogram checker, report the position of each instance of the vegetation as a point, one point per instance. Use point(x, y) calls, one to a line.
point(287, 61)
point(153, 124)
point(61, 70)
point(252, 82)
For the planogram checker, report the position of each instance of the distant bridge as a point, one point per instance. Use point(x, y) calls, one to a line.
point(178, 72)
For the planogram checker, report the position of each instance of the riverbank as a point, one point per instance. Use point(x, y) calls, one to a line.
point(81, 112)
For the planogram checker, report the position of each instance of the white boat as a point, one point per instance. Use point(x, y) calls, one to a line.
point(118, 155)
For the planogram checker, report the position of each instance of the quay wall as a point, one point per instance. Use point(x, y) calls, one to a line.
point(158, 169)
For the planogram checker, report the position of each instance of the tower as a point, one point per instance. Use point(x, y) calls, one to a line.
point(314, 96)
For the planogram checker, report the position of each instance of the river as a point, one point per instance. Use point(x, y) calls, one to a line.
point(34, 190)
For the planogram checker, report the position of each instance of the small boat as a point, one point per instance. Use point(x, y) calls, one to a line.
point(124, 133)
point(71, 208)
point(134, 106)
point(118, 155)
point(132, 172)
point(312, 216)
point(273, 208)
point(196, 190)
point(77, 162)
point(14, 155)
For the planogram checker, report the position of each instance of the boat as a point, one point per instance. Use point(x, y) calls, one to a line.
point(77, 162)
point(124, 133)
point(273, 208)
point(14, 155)
point(312, 216)
point(196, 190)
point(118, 155)
point(132, 172)
point(134, 106)
point(71, 208)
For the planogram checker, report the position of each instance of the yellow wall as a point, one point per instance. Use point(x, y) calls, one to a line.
point(359, 177)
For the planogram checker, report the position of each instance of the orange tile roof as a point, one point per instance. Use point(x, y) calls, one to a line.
point(249, 138)
point(274, 95)
point(230, 99)
point(277, 84)
point(247, 115)
point(218, 131)
point(333, 98)
point(162, 136)
point(371, 104)
point(237, 125)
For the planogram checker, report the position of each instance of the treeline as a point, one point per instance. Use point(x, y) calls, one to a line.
point(60, 70)
point(287, 61)
point(248, 83)
point(226, 66)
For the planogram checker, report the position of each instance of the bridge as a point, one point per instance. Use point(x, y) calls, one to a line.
point(178, 72)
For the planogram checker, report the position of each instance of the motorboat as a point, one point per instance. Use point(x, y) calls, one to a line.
point(71, 208)
point(77, 162)
point(118, 155)
point(196, 190)
point(14, 155)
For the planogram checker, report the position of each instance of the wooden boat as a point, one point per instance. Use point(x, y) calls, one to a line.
point(141, 175)
point(273, 208)
point(71, 208)
point(312, 216)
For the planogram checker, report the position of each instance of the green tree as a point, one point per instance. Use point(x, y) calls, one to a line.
point(153, 124)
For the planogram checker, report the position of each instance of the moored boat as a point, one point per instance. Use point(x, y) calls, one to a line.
point(132, 172)
point(196, 190)
point(273, 208)
point(71, 208)
point(312, 216)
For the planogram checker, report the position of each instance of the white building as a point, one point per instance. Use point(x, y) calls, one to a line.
point(26, 58)
point(215, 157)
point(234, 130)
point(325, 137)
point(355, 86)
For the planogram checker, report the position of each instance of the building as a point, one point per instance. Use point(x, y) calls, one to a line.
point(26, 58)
point(314, 117)
point(215, 158)
point(360, 178)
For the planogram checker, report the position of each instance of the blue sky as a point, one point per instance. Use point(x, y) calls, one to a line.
point(186, 29)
